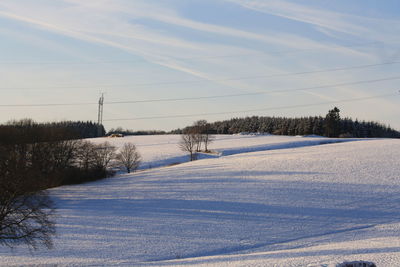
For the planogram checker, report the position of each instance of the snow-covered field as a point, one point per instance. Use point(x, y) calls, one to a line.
point(163, 150)
point(262, 201)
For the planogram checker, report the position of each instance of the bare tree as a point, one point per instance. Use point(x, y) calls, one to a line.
point(104, 153)
point(26, 219)
point(199, 140)
point(201, 130)
point(85, 155)
point(207, 138)
point(188, 143)
point(129, 157)
point(25, 212)
point(35, 158)
point(196, 129)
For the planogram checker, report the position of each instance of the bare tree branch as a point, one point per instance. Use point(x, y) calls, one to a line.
point(129, 157)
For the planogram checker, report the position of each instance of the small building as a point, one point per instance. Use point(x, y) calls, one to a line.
point(116, 135)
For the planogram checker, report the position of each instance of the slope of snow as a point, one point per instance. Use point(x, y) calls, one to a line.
point(163, 150)
point(303, 206)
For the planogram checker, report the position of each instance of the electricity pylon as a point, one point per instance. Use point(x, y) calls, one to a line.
point(100, 115)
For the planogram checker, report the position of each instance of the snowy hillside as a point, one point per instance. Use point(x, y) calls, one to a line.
point(163, 150)
point(305, 205)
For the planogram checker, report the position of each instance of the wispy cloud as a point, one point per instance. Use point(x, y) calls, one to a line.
point(356, 25)
point(112, 25)
point(157, 32)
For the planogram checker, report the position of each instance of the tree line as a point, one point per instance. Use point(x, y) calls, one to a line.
point(120, 130)
point(34, 157)
point(76, 129)
point(331, 126)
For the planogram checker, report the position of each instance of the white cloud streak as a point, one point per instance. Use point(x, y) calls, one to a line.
point(356, 25)
point(125, 25)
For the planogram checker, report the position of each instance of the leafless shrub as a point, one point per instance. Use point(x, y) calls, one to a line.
point(103, 155)
point(98, 156)
point(85, 155)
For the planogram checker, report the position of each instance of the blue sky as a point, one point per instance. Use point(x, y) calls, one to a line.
point(68, 51)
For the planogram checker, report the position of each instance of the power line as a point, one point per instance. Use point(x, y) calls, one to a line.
point(272, 75)
point(186, 58)
point(253, 93)
point(49, 104)
point(213, 80)
point(204, 97)
point(253, 110)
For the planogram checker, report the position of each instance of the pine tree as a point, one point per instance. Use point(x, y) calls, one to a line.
point(332, 123)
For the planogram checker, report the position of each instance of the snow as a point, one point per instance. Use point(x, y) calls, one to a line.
point(163, 150)
point(263, 201)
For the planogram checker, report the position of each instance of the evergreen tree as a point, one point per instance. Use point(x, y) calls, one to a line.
point(332, 123)
point(332, 126)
